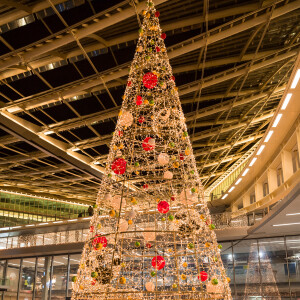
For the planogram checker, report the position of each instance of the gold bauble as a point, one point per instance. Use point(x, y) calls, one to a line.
point(176, 164)
point(122, 280)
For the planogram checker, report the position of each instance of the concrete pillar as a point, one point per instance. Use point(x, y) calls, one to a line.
point(272, 179)
point(234, 207)
point(246, 200)
point(46, 278)
point(259, 194)
point(287, 164)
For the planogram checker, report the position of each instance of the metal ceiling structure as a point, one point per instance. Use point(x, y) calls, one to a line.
point(64, 67)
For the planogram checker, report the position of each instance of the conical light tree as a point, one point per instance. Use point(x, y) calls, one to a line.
point(260, 279)
point(158, 241)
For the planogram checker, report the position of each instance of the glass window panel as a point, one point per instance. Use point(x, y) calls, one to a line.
point(17, 203)
point(27, 278)
point(42, 278)
point(74, 265)
point(12, 278)
point(293, 264)
point(227, 258)
point(272, 258)
point(245, 257)
point(3, 242)
point(59, 277)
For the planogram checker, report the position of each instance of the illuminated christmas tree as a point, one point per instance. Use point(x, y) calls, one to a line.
point(158, 241)
point(260, 280)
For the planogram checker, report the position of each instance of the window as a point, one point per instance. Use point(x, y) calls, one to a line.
point(42, 278)
point(265, 189)
point(59, 277)
point(27, 277)
point(12, 277)
point(279, 176)
point(252, 198)
point(295, 159)
point(74, 264)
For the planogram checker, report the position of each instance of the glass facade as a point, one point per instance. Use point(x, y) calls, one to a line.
point(266, 268)
point(17, 210)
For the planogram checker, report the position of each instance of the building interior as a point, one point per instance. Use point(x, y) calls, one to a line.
point(63, 71)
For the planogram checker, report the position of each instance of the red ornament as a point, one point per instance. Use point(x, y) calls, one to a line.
point(145, 186)
point(157, 14)
point(148, 245)
point(93, 282)
point(119, 166)
point(147, 146)
point(158, 262)
point(203, 276)
point(157, 49)
point(141, 120)
point(173, 77)
point(163, 36)
point(207, 222)
point(181, 156)
point(150, 80)
point(139, 100)
point(99, 240)
point(120, 133)
point(163, 207)
point(92, 228)
point(129, 83)
point(173, 198)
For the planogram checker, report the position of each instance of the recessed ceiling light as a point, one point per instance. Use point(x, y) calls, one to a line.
point(262, 147)
point(277, 120)
point(231, 189)
point(286, 224)
point(253, 161)
point(245, 172)
point(296, 79)
point(224, 196)
point(238, 181)
point(286, 101)
point(269, 136)
point(293, 214)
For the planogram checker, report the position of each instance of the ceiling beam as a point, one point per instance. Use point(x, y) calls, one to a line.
point(251, 138)
point(17, 5)
point(49, 146)
point(15, 15)
point(88, 84)
point(214, 131)
point(238, 25)
point(133, 36)
point(68, 37)
point(113, 112)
